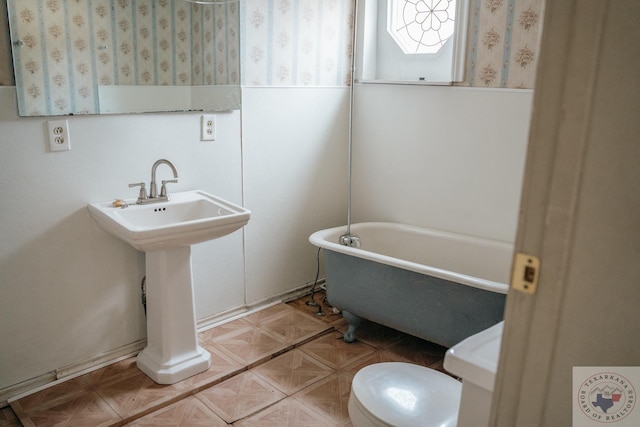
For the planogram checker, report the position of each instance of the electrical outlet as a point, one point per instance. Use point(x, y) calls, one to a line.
point(59, 135)
point(208, 127)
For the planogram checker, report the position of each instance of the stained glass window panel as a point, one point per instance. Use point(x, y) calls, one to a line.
point(421, 26)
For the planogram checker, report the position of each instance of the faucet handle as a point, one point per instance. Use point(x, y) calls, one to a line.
point(143, 193)
point(163, 189)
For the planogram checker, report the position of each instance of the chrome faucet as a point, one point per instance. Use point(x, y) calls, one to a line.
point(153, 192)
point(153, 189)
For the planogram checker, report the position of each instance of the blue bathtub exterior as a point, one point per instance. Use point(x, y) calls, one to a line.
point(434, 309)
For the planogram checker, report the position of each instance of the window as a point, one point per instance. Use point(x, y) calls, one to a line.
point(421, 26)
point(412, 41)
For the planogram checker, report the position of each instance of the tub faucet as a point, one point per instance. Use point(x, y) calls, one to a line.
point(350, 240)
point(153, 189)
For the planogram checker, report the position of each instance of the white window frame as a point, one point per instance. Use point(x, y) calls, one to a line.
point(376, 49)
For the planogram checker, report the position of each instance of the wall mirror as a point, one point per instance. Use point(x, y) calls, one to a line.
point(124, 56)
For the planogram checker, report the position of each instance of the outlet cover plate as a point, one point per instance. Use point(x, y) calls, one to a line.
point(208, 127)
point(58, 132)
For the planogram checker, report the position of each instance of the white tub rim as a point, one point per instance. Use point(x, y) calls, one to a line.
point(320, 239)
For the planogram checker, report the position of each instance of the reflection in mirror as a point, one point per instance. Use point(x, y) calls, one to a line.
point(68, 53)
point(6, 63)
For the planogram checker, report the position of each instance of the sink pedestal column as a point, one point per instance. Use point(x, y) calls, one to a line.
point(172, 352)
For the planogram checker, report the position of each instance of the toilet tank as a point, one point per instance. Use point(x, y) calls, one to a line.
point(475, 360)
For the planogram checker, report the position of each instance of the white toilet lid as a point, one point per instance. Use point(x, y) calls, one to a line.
point(403, 394)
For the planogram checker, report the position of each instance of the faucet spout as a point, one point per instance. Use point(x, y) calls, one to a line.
point(153, 190)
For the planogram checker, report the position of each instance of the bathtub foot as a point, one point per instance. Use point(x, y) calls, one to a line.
point(353, 321)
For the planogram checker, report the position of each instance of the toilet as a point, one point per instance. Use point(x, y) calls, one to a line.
point(407, 395)
point(403, 394)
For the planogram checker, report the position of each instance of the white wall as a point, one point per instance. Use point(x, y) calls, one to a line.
point(68, 290)
point(449, 158)
point(300, 189)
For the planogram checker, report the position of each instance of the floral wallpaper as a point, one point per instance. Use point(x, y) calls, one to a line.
point(308, 42)
point(503, 43)
point(296, 42)
point(128, 42)
point(282, 43)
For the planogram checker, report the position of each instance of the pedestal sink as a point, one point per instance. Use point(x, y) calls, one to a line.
point(166, 231)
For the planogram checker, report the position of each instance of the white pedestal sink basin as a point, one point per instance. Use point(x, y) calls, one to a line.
point(166, 231)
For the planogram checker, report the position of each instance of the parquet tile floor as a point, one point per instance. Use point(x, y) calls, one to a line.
point(281, 366)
